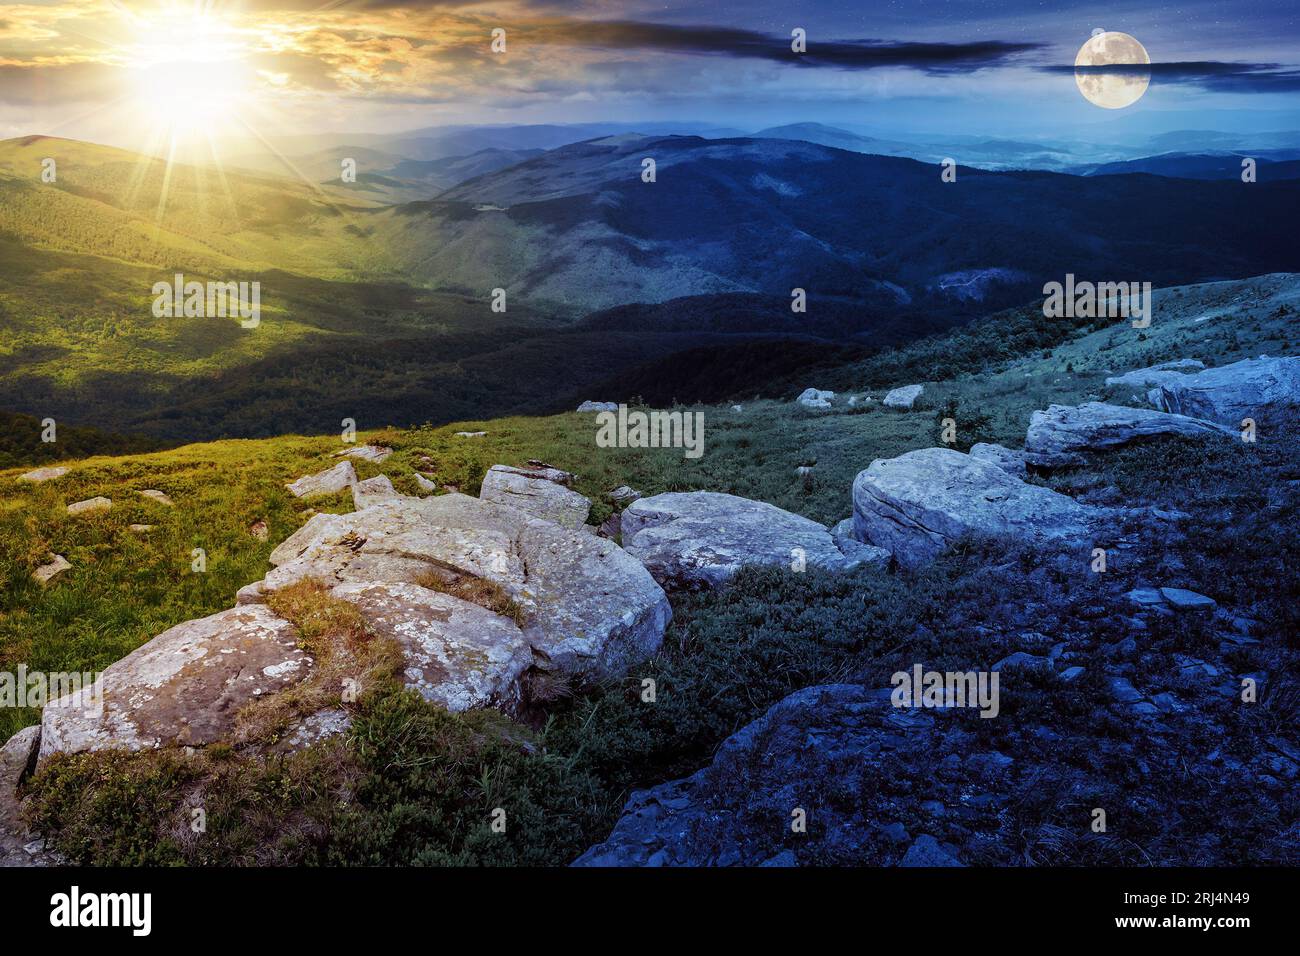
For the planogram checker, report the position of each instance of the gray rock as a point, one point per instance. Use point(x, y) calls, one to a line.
point(904, 397)
point(815, 398)
point(918, 504)
point(622, 496)
point(56, 564)
point(1157, 374)
point(375, 453)
point(89, 505)
point(700, 539)
point(17, 758)
point(590, 406)
point(1010, 461)
point(1066, 434)
point(153, 494)
point(456, 654)
point(1022, 659)
point(735, 810)
point(1184, 600)
point(424, 483)
point(374, 490)
point(926, 851)
point(327, 482)
point(1266, 390)
point(470, 434)
point(867, 554)
point(539, 491)
point(1071, 673)
point(184, 687)
point(592, 609)
point(43, 474)
point(1145, 597)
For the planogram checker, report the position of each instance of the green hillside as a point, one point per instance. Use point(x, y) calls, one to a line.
point(727, 656)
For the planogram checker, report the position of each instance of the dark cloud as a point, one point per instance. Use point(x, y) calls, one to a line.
point(1210, 75)
point(732, 42)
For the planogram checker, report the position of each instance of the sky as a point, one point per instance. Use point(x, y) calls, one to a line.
point(119, 70)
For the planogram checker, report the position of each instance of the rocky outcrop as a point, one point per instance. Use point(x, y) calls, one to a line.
point(43, 474)
point(738, 810)
point(374, 453)
point(904, 397)
point(700, 539)
point(591, 609)
point(541, 491)
point(374, 490)
point(184, 687)
point(815, 398)
point(327, 482)
point(918, 504)
point(1009, 460)
point(1144, 378)
point(456, 654)
point(1266, 390)
point(1067, 434)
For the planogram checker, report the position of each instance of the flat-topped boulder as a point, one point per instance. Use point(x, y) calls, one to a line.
point(375, 453)
point(700, 539)
point(44, 474)
point(327, 482)
point(1145, 378)
point(90, 505)
point(1266, 390)
point(736, 811)
point(184, 687)
point(590, 608)
point(815, 398)
point(904, 397)
point(455, 653)
point(1008, 459)
point(374, 490)
point(918, 504)
point(541, 491)
point(1067, 434)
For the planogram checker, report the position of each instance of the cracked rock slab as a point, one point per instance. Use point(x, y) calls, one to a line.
point(918, 504)
point(1266, 390)
point(591, 608)
point(542, 492)
point(700, 539)
point(456, 654)
point(1067, 434)
point(183, 688)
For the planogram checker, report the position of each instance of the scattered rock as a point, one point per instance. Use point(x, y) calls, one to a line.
point(1012, 462)
point(1070, 673)
point(154, 494)
point(375, 453)
point(815, 398)
point(1157, 374)
point(327, 482)
point(591, 608)
point(622, 496)
point(1065, 434)
point(904, 397)
point(1146, 597)
point(1266, 390)
point(470, 434)
point(17, 759)
point(55, 564)
point(44, 474)
point(89, 505)
point(1184, 600)
point(700, 539)
point(737, 408)
point(1022, 659)
point(867, 554)
point(259, 530)
point(918, 504)
point(374, 490)
point(590, 406)
point(456, 654)
point(139, 528)
point(424, 483)
point(184, 687)
point(926, 851)
point(538, 491)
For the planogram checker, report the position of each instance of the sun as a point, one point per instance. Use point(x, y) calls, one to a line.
point(190, 77)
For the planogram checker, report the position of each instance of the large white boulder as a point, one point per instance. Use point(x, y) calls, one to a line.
point(540, 491)
point(591, 608)
point(1066, 434)
point(455, 653)
point(1266, 390)
point(184, 687)
point(700, 539)
point(919, 504)
point(904, 397)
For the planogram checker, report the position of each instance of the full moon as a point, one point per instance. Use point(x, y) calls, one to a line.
point(1112, 91)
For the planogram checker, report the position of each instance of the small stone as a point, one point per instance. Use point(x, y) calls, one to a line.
point(424, 483)
point(375, 453)
point(1021, 659)
point(470, 434)
point(1145, 596)
point(1185, 600)
point(1071, 673)
point(784, 858)
point(153, 494)
point(259, 530)
point(90, 504)
point(56, 564)
point(140, 528)
point(926, 851)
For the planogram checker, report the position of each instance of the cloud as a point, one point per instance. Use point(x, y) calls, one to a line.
point(1210, 75)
